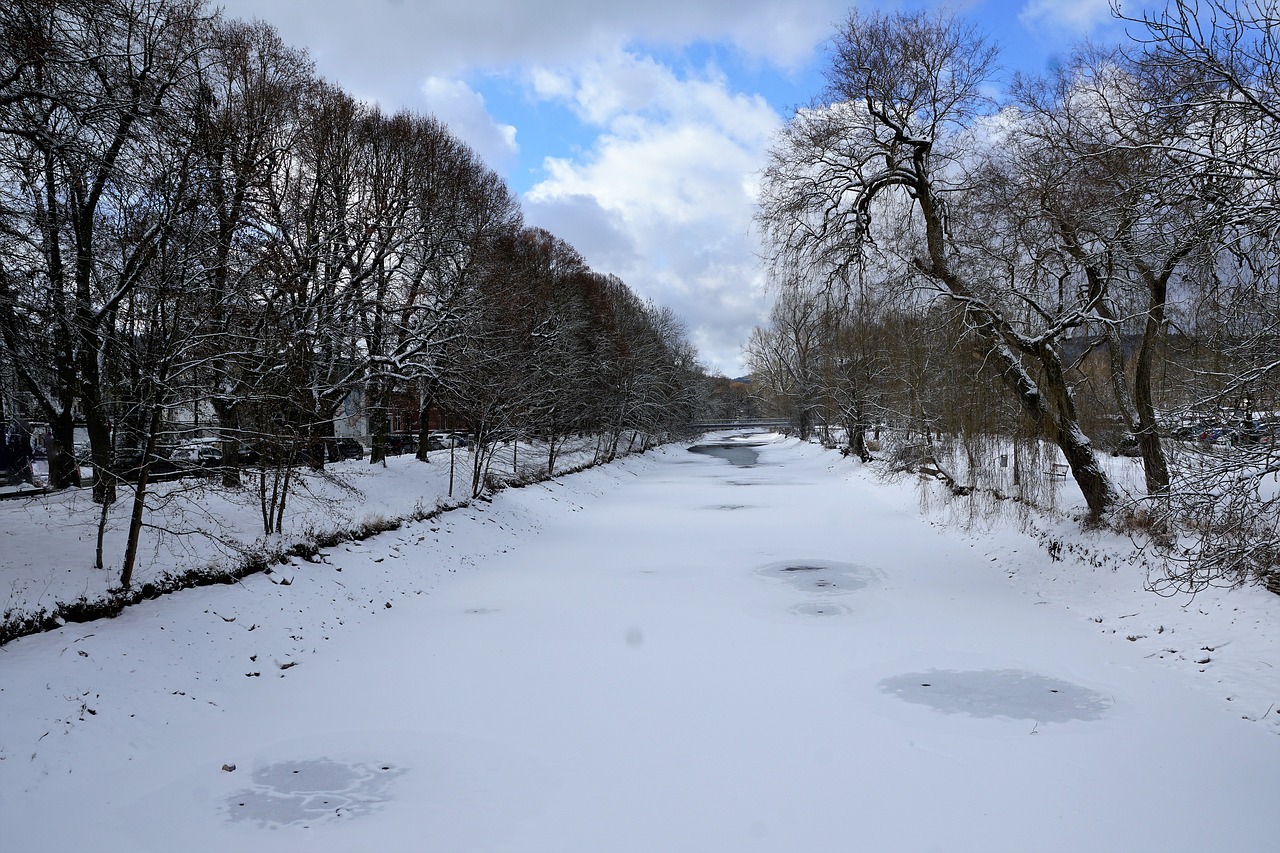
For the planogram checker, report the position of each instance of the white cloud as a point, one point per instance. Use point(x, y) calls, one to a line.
point(463, 110)
point(605, 232)
point(450, 37)
point(549, 85)
point(1071, 16)
point(657, 184)
point(674, 171)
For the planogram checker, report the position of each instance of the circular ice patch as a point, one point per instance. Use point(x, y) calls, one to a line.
point(824, 609)
point(303, 792)
point(821, 577)
point(1012, 693)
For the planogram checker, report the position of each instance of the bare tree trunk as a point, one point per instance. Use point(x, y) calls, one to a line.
point(1065, 429)
point(139, 499)
point(284, 498)
point(99, 429)
point(552, 446)
point(64, 468)
point(319, 438)
point(1136, 406)
point(1154, 462)
point(424, 422)
point(856, 433)
point(378, 423)
point(229, 432)
point(1054, 419)
point(1119, 378)
point(99, 562)
point(452, 453)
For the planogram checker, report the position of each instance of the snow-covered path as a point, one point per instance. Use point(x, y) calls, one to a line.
point(699, 657)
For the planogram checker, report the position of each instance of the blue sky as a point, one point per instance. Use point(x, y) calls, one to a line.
point(634, 130)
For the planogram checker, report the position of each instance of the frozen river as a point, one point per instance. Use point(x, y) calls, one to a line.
point(696, 652)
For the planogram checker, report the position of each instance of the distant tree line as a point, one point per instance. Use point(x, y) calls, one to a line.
point(191, 220)
point(1091, 254)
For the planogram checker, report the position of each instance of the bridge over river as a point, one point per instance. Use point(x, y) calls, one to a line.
point(748, 424)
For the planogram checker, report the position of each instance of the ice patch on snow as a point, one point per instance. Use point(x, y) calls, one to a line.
point(1012, 693)
point(824, 609)
point(822, 577)
point(303, 792)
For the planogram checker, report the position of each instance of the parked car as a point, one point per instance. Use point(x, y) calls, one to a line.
point(441, 440)
point(249, 452)
point(127, 463)
point(1257, 432)
point(196, 456)
point(398, 443)
point(346, 448)
point(1267, 433)
point(1219, 435)
point(1189, 432)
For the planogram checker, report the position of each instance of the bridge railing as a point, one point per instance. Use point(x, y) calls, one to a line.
point(752, 423)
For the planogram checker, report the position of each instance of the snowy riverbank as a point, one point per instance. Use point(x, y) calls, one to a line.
point(196, 531)
point(670, 652)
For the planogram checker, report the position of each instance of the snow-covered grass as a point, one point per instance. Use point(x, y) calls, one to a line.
point(666, 653)
point(196, 530)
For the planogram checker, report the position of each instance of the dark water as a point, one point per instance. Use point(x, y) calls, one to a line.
point(743, 457)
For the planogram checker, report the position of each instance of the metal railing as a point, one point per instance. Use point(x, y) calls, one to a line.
point(745, 423)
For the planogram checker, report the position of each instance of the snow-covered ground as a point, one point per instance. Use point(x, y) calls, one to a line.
point(48, 542)
point(668, 653)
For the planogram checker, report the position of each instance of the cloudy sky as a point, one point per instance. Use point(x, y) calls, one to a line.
point(633, 129)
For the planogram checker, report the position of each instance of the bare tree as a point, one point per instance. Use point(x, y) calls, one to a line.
point(244, 116)
point(1100, 159)
point(785, 358)
point(313, 259)
point(884, 168)
point(467, 212)
point(86, 99)
point(1224, 61)
point(190, 220)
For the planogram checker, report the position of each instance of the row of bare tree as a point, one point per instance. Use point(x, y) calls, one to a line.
point(1093, 248)
point(192, 221)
